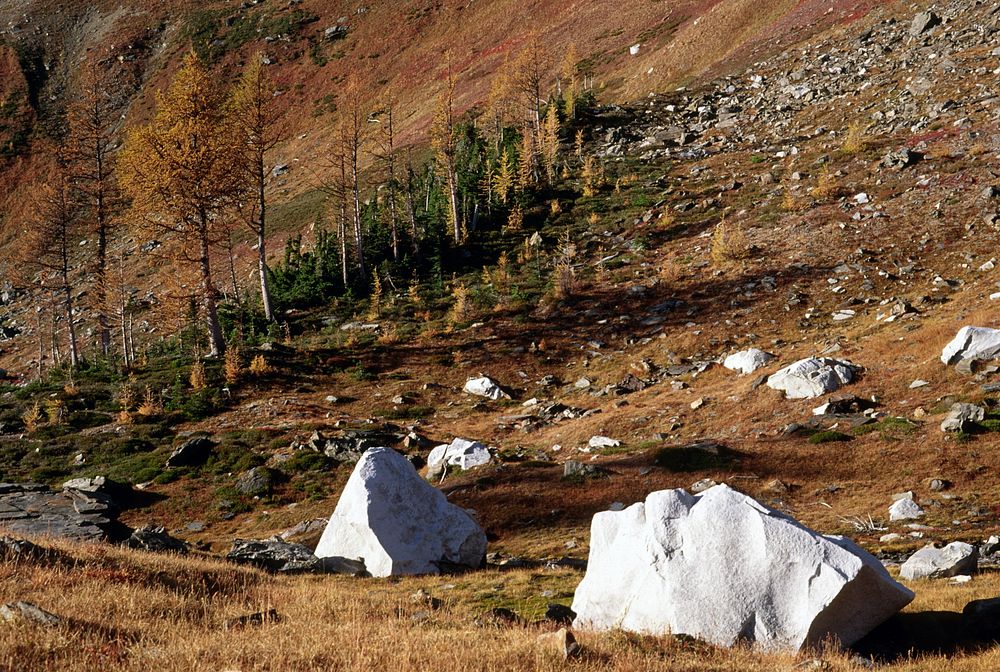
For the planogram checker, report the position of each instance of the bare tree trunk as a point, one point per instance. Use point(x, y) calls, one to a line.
point(415, 235)
point(209, 295)
point(342, 225)
point(74, 352)
point(356, 192)
point(41, 340)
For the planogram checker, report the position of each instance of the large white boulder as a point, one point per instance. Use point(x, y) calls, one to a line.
point(461, 453)
point(812, 377)
point(747, 361)
point(397, 523)
point(722, 567)
point(484, 386)
point(972, 343)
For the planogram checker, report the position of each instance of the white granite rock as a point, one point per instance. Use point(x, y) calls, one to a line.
point(461, 453)
point(972, 343)
point(905, 509)
point(955, 559)
point(398, 523)
point(812, 377)
point(485, 387)
point(723, 568)
point(748, 361)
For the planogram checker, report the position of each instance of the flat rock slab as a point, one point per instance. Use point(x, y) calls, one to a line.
point(397, 523)
point(35, 510)
point(723, 568)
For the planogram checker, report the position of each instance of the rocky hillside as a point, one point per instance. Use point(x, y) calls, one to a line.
point(784, 280)
point(389, 49)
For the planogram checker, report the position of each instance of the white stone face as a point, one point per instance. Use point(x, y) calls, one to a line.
point(461, 453)
point(485, 387)
point(723, 568)
point(931, 563)
point(398, 523)
point(812, 377)
point(747, 361)
point(972, 343)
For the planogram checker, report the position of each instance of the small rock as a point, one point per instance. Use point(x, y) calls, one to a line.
point(251, 620)
point(561, 644)
point(560, 613)
point(192, 452)
point(13, 612)
point(963, 417)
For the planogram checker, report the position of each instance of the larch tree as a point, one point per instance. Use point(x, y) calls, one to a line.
point(93, 125)
point(51, 238)
point(445, 144)
point(181, 174)
point(255, 120)
point(528, 72)
point(354, 139)
point(387, 156)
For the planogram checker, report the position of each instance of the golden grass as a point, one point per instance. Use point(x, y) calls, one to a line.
point(128, 610)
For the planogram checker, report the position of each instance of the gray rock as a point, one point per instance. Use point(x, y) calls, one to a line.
point(934, 563)
point(13, 612)
point(154, 538)
point(255, 482)
point(35, 510)
point(277, 555)
point(923, 22)
point(962, 417)
point(192, 453)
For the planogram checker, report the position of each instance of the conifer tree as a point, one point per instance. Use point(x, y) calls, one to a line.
point(93, 122)
point(251, 110)
point(181, 173)
point(445, 143)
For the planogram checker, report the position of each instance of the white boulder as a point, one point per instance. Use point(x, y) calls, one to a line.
point(905, 508)
point(485, 387)
point(748, 361)
point(722, 567)
point(461, 453)
point(972, 343)
point(812, 377)
point(955, 559)
point(397, 523)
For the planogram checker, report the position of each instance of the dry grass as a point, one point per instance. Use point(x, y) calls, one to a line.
point(126, 610)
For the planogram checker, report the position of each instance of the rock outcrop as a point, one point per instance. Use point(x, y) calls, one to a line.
point(397, 523)
point(723, 568)
point(74, 514)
